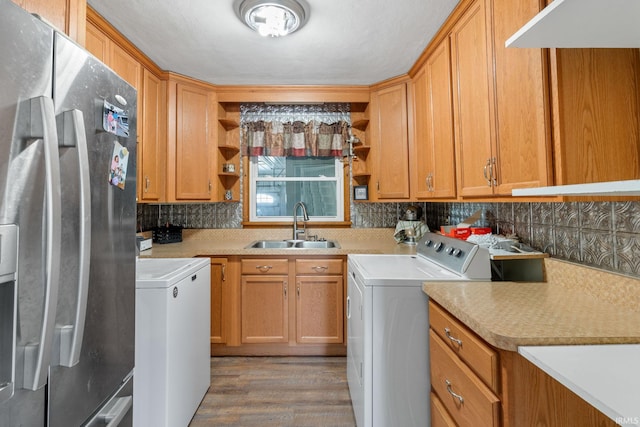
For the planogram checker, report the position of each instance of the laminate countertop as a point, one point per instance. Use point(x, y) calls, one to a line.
point(227, 242)
point(575, 305)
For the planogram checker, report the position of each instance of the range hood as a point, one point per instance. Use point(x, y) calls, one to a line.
point(582, 24)
point(611, 188)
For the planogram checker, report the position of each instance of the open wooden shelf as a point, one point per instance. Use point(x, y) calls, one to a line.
point(228, 124)
point(361, 124)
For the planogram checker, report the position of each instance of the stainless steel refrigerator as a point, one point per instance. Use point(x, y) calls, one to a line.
point(67, 231)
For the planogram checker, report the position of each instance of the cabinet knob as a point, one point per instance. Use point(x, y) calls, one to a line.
point(320, 268)
point(263, 268)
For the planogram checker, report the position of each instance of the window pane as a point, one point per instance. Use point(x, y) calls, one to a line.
point(296, 167)
point(277, 198)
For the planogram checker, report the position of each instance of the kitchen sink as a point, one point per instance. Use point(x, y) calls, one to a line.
point(293, 244)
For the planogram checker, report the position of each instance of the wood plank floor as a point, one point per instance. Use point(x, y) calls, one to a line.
point(276, 391)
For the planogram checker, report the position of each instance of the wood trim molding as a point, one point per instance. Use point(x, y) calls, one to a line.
point(293, 93)
point(393, 81)
point(440, 35)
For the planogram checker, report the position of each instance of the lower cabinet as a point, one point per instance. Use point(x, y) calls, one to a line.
point(463, 372)
point(265, 314)
point(475, 384)
point(218, 297)
point(278, 305)
point(319, 296)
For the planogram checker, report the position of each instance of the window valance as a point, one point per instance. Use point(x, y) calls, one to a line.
point(297, 131)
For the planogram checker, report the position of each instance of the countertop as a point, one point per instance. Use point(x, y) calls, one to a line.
point(576, 305)
point(226, 242)
point(581, 326)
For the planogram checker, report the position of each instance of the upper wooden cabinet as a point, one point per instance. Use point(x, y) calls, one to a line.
point(69, 16)
point(523, 139)
point(119, 60)
point(152, 105)
point(537, 117)
point(191, 155)
point(501, 113)
point(390, 142)
point(596, 114)
point(152, 150)
point(432, 152)
point(473, 102)
point(97, 42)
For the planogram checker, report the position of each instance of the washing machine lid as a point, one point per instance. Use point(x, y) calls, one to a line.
point(165, 272)
point(400, 268)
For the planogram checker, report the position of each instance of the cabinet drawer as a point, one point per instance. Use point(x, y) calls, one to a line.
point(439, 415)
point(469, 401)
point(265, 266)
point(480, 357)
point(319, 266)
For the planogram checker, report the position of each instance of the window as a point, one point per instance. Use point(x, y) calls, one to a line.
point(278, 183)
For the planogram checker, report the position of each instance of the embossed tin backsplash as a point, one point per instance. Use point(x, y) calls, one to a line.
point(600, 234)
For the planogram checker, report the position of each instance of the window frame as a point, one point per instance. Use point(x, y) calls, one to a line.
point(252, 196)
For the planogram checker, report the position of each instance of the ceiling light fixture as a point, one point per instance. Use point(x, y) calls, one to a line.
point(272, 18)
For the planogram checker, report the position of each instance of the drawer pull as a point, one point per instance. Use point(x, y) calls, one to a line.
point(264, 268)
point(447, 332)
point(452, 393)
point(320, 268)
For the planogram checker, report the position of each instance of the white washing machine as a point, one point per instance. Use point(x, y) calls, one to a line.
point(172, 361)
point(387, 318)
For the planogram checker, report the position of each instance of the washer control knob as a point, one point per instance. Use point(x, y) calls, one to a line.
point(456, 253)
point(428, 242)
point(449, 250)
point(438, 246)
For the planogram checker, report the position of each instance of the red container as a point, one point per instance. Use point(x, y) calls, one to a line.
point(458, 233)
point(480, 230)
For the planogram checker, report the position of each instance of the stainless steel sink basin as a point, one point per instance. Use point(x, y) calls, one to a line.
point(319, 244)
point(292, 244)
point(270, 244)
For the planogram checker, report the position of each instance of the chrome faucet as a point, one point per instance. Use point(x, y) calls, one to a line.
point(305, 218)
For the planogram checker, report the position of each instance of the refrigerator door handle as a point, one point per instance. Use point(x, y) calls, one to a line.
point(70, 336)
point(37, 355)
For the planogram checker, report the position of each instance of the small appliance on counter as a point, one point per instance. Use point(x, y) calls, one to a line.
point(410, 228)
point(167, 234)
point(144, 241)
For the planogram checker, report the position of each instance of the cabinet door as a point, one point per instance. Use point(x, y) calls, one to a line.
point(473, 102)
point(597, 114)
point(265, 313)
point(218, 297)
point(97, 43)
point(193, 151)
point(68, 16)
point(421, 150)
point(392, 143)
point(319, 309)
point(434, 163)
point(129, 69)
point(153, 144)
point(522, 109)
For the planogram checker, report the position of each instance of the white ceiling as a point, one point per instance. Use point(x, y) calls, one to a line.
point(345, 42)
